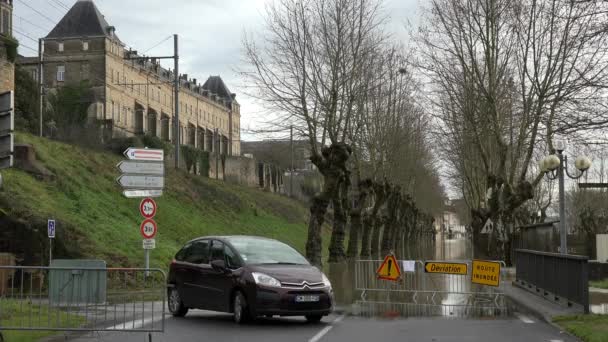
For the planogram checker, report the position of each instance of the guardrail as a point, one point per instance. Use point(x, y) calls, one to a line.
point(82, 299)
point(561, 278)
point(426, 294)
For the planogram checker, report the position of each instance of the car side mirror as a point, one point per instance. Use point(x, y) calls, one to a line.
point(220, 266)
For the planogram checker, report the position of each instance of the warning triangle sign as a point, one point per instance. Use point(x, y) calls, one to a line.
point(389, 270)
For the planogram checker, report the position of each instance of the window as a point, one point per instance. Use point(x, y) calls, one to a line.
point(111, 75)
point(232, 261)
point(35, 74)
point(183, 253)
point(198, 253)
point(217, 250)
point(85, 46)
point(262, 251)
point(60, 47)
point(61, 73)
point(6, 26)
point(84, 71)
point(132, 87)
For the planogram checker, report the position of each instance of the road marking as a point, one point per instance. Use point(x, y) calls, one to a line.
point(524, 318)
point(325, 330)
point(134, 325)
point(556, 340)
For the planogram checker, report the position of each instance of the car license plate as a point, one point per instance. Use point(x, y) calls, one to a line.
point(307, 299)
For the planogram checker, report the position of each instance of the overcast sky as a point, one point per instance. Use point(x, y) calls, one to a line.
point(210, 32)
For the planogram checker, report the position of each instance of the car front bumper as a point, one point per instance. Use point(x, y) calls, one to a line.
point(282, 302)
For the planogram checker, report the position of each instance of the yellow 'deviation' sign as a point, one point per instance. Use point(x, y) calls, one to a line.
point(389, 270)
point(445, 267)
point(486, 273)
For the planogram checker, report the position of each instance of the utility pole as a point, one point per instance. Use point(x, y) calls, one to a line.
point(563, 232)
point(40, 81)
point(292, 168)
point(176, 102)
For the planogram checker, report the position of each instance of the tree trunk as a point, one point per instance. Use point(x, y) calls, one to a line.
point(336, 245)
point(367, 230)
point(375, 244)
point(355, 228)
point(318, 209)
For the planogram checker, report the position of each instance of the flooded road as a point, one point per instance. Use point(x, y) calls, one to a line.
point(417, 293)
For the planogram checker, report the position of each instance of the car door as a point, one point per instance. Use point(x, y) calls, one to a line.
point(197, 289)
point(219, 282)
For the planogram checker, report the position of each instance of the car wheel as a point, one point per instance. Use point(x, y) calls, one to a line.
point(176, 305)
point(313, 318)
point(240, 308)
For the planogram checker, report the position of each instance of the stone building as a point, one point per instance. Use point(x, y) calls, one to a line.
point(134, 96)
point(7, 47)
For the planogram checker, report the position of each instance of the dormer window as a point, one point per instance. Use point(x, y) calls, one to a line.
point(60, 47)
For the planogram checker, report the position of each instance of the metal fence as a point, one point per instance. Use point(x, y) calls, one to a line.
point(82, 299)
point(561, 278)
point(425, 294)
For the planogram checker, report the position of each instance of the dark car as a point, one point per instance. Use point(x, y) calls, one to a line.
point(248, 276)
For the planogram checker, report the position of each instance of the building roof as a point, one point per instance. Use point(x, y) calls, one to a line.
point(216, 85)
point(82, 20)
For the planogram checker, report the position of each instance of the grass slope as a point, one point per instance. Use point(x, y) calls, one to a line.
point(94, 219)
point(589, 328)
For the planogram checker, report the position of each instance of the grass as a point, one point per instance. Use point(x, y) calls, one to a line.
point(94, 220)
point(589, 328)
point(601, 284)
point(22, 314)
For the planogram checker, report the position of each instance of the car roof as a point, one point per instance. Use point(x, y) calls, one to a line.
point(227, 238)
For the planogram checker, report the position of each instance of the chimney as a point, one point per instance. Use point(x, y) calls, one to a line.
point(194, 81)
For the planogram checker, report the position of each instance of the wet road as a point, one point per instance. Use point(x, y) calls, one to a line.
point(208, 326)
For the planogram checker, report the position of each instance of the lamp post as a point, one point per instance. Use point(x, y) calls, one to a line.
point(556, 167)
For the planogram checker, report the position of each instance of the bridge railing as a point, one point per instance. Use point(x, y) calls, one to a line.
point(561, 278)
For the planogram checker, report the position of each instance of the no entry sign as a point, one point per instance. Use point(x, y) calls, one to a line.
point(147, 208)
point(148, 229)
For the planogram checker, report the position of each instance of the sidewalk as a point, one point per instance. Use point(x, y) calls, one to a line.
point(536, 305)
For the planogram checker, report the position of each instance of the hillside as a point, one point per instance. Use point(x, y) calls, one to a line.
point(95, 221)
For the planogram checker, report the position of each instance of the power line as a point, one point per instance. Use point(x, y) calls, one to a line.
point(162, 41)
point(25, 35)
point(33, 24)
point(60, 3)
point(37, 11)
point(55, 7)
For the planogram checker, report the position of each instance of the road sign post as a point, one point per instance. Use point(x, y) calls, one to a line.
point(51, 229)
point(143, 175)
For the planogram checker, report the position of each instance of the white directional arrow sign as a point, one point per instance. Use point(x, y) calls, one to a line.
point(144, 154)
point(142, 168)
point(141, 182)
point(142, 193)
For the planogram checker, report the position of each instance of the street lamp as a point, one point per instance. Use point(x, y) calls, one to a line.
point(555, 166)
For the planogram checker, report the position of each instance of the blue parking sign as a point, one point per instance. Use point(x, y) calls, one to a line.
point(51, 228)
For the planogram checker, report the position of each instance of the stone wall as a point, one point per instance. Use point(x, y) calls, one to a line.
point(7, 71)
point(241, 170)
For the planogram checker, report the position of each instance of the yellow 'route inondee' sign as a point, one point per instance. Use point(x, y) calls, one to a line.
point(486, 273)
point(445, 267)
point(389, 270)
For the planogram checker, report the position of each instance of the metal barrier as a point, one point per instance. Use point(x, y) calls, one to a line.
point(426, 294)
point(561, 278)
point(82, 299)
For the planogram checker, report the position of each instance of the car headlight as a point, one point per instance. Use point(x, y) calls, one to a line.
point(264, 279)
point(326, 281)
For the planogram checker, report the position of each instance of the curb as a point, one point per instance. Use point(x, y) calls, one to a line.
point(529, 309)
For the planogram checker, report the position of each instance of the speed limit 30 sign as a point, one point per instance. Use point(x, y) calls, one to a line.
point(147, 208)
point(148, 229)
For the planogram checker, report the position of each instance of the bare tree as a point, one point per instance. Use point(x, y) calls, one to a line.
point(508, 76)
point(307, 69)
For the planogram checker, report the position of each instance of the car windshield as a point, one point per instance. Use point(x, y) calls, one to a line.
point(266, 251)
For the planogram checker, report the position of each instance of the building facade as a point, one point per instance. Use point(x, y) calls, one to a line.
point(134, 95)
point(7, 47)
